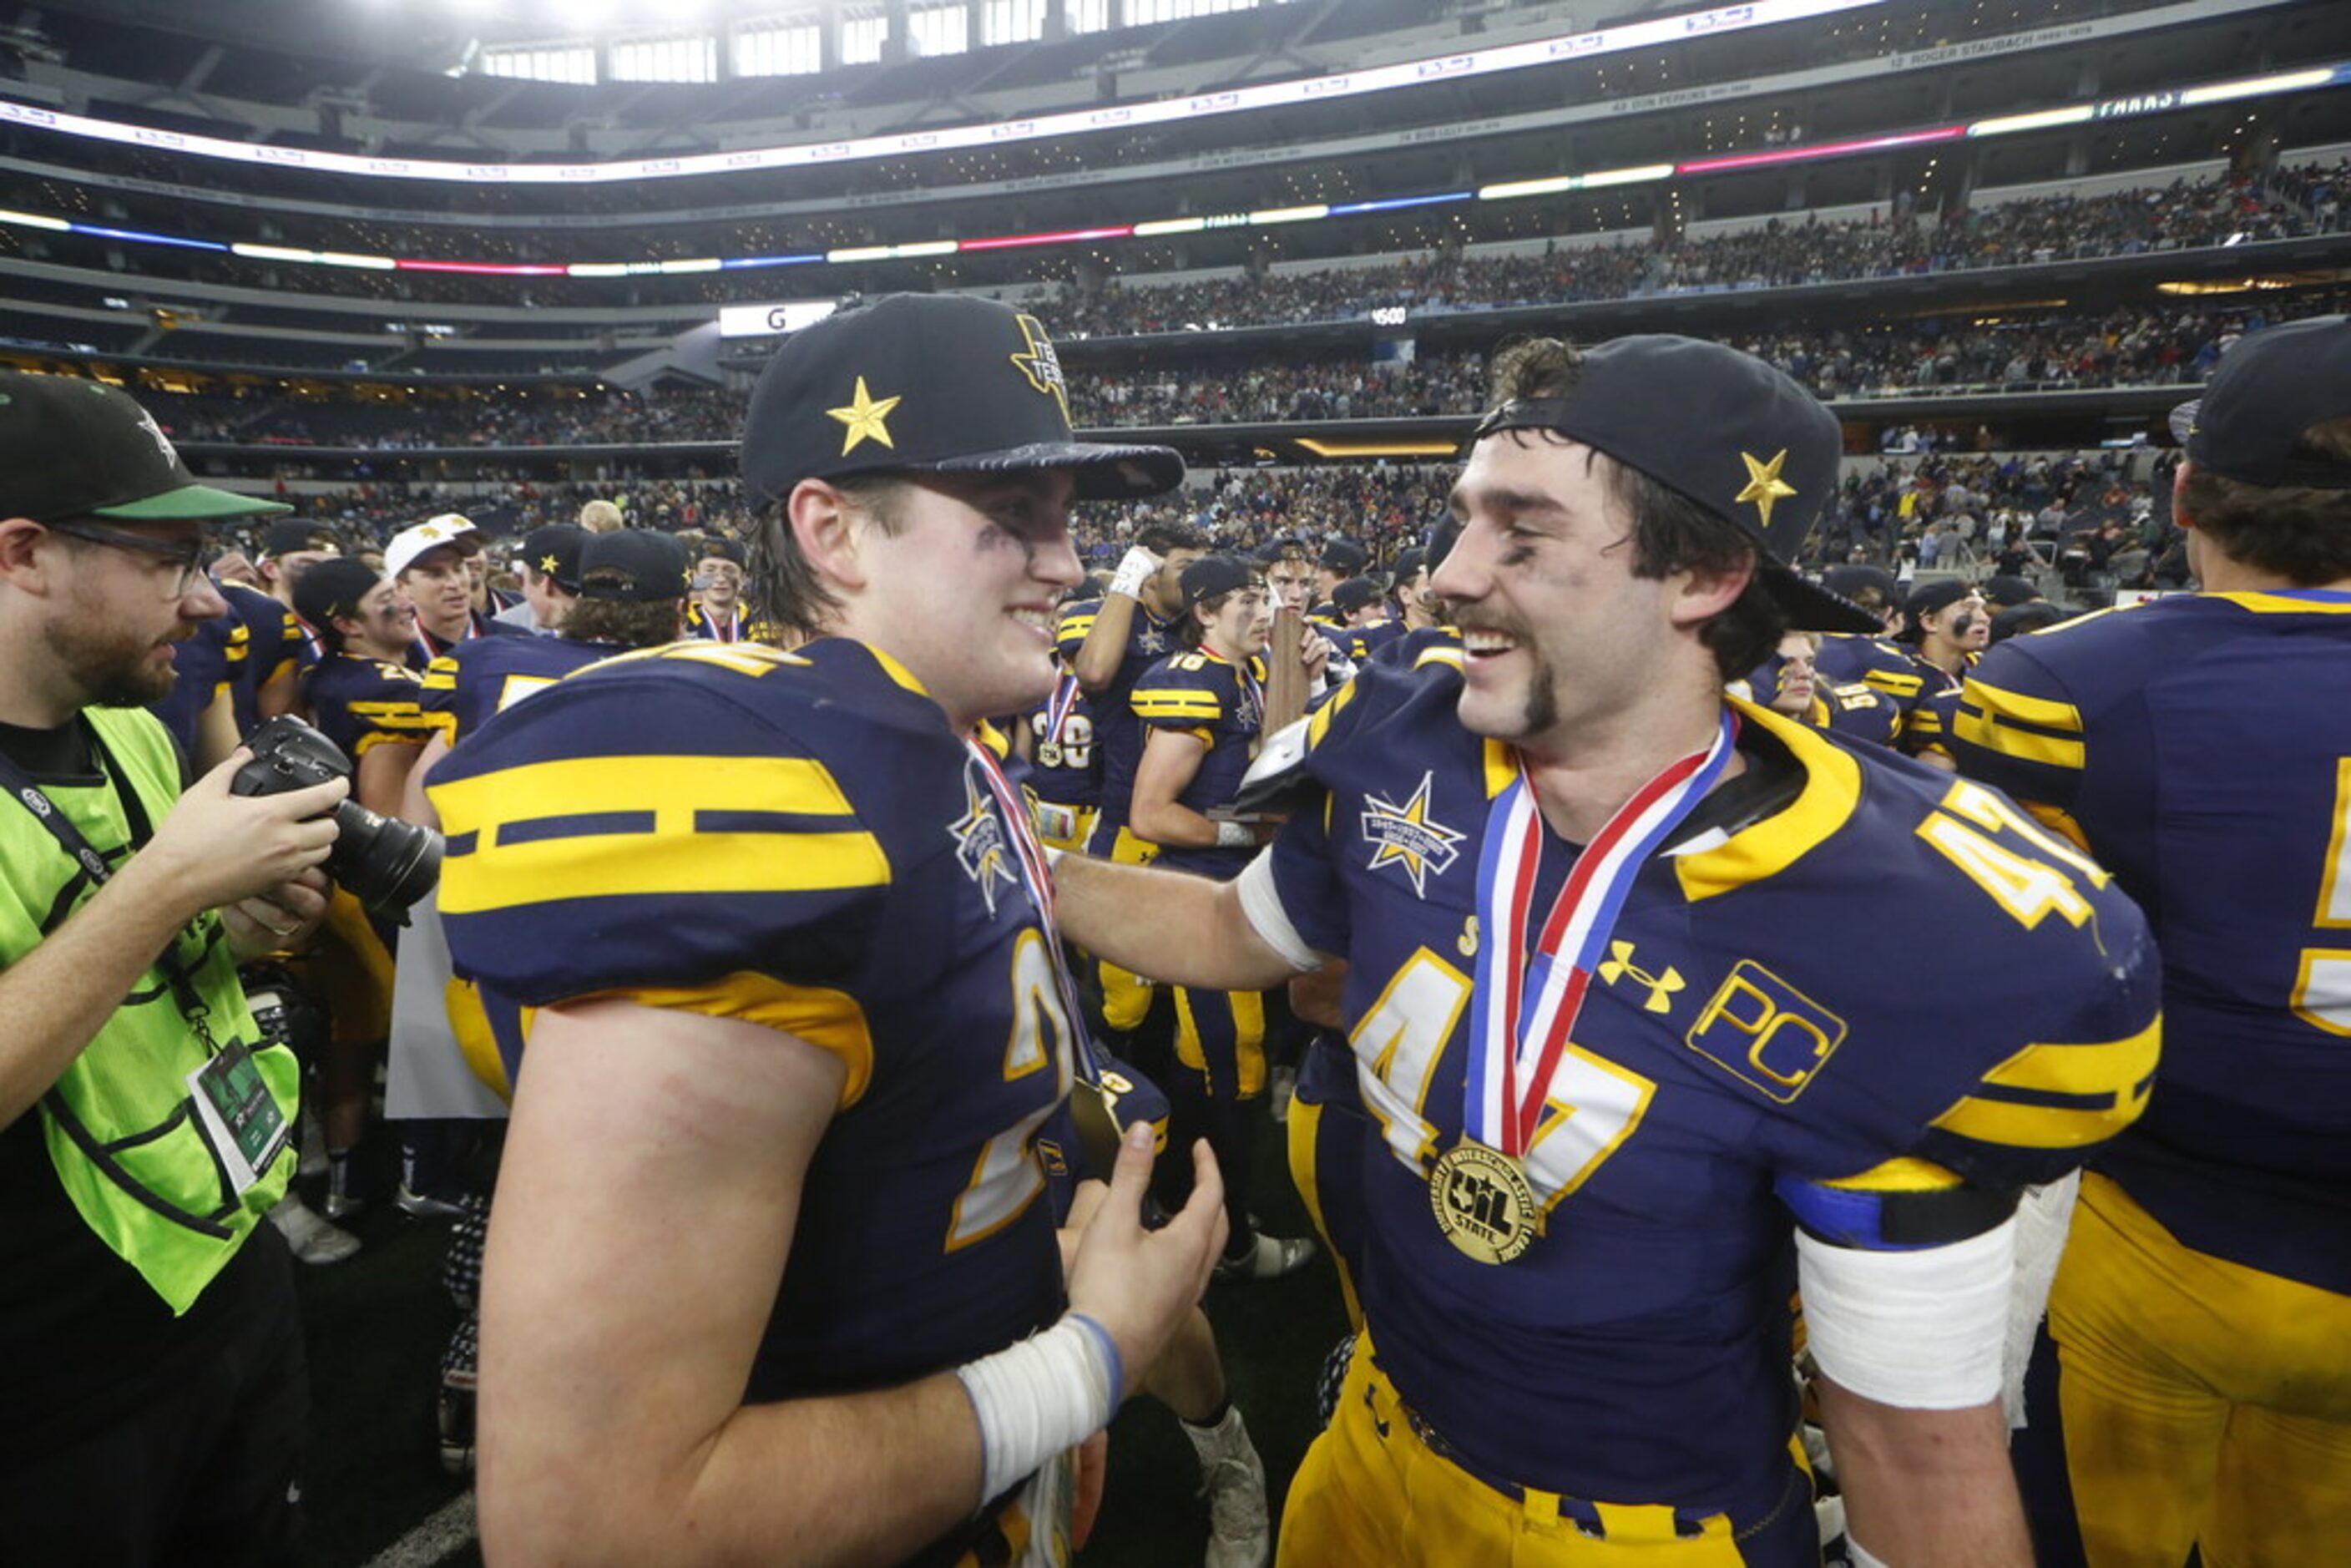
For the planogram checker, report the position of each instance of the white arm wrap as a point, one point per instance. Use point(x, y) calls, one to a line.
point(1235, 836)
point(2043, 1219)
point(1134, 570)
point(1040, 1396)
point(1918, 1331)
point(1261, 902)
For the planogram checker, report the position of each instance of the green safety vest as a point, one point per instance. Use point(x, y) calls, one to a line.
point(121, 1126)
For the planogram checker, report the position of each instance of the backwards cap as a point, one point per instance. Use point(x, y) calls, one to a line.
point(2271, 387)
point(919, 383)
point(1720, 427)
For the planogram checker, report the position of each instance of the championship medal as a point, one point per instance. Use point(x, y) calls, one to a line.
point(1484, 1203)
point(1532, 978)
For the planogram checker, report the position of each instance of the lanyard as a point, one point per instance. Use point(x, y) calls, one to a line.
point(69, 838)
point(1526, 1002)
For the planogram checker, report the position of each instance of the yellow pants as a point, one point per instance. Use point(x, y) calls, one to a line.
point(2203, 1403)
point(1126, 996)
point(1371, 1492)
point(1221, 1036)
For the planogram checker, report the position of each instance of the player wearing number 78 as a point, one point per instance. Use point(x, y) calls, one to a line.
point(2201, 746)
point(1645, 1025)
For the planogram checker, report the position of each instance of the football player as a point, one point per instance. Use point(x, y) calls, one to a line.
point(1109, 642)
point(2201, 746)
point(1202, 711)
point(716, 614)
point(771, 1273)
point(1364, 610)
point(1636, 1059)
point(428, 564)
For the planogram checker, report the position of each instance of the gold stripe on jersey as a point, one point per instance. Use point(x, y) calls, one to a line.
point(2013, 724)
point(2335, 884)
point(1832, 791)
point(2280, 604)
point(830, 1020)
point(1451, 657)
point(1501, 767)
point(2085, 1093)
point(671, 856)
point(1319, 724)
point(1075, 625)
point(1176, 703)
point(1894, 683)
point(441, 674)
point(393, 723)
point(1904, 1173)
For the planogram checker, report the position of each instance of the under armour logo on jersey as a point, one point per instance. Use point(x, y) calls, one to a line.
point(1406, 835)
point(1619, 965)
point(981, 847)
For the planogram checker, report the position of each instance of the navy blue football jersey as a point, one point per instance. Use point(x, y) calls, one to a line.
point(2201, 746)
point(1767, 1023)
point(1921, 695)
point(737, 625)
point(1223, 706)
point(274, 644)
point(207, 663)
point(465, 685)
point(360, 703)
point(1064, 765)
point(1361, 643)
point(796, 840)
point(423, 647)
point(1117, 732)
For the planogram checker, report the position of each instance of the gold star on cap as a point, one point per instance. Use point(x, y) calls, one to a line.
point(864, 418)
point(547, 565)
point(1764, 486)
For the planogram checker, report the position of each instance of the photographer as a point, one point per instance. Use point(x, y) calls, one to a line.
point(157, 1390)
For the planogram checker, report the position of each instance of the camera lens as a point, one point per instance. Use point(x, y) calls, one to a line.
point(387, 864)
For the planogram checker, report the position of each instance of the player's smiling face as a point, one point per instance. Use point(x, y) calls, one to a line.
point(965, 593)
point(1560, 638)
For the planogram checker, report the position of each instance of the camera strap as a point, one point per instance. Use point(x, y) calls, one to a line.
point(61, 828)
point(20, 784)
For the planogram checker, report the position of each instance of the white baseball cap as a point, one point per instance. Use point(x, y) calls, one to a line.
point(448, 528)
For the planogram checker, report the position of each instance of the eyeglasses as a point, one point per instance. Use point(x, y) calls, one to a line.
point(193, 558)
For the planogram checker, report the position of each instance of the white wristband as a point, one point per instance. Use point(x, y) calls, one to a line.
point(1235, 836)
point(1134, 570)
point(1040, 1396)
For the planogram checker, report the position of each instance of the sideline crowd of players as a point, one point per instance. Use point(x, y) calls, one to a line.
point(1506, 1403)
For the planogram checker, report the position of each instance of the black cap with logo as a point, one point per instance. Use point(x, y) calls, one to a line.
point(633, 566)
point(333, 588)
point(1212, 575)
point(553, 551)
point(72, 448)
point(928, 383)
point(1720, 427)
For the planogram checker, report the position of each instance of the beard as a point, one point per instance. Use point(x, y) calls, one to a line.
point(113, 668)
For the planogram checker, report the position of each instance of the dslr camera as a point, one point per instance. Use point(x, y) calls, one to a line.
point(387, 864)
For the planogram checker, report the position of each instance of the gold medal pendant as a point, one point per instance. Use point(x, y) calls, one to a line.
point(1484, 1203)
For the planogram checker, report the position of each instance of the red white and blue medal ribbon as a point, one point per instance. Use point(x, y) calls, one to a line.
point(1059, 706)
point(1528, 995)
point(1036, 878)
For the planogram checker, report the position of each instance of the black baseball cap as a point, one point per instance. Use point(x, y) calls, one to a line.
point(288, 535)
point(1345, 557)
point(74, 448)
point(1213, 575)
point(1850, 579)
point(1355, 593)
point(1408, 564)
point(2271, 387)
point(2005, 590)
point(723, 548)
point(553, 551)
point(1720, 427)
point(1932, 599)
point(634, 566)
point(929, 383)
point(333, 588)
